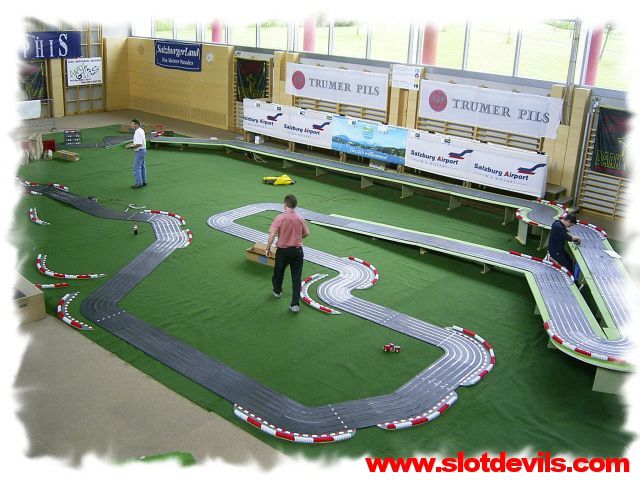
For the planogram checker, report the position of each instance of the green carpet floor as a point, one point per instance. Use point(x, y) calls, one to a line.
point(211, 297)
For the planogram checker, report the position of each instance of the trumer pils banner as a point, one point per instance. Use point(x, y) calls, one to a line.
point(534, 115)
point(337, 85)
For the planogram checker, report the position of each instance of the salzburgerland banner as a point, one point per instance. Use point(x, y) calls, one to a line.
point(84, 71)
point(178, 55)
point(287, 123)
point(371, 140)
point(533, 115)
point(337, 85)
point(610, 148)
point(477, 162)
point(39, 45)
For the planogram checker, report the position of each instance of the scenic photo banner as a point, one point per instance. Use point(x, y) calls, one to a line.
point(351, 87)
point(534, 115)
point(477, 162)
point(371, 140)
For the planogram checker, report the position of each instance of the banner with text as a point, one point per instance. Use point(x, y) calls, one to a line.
point(368, 139)
point(477, 162)
point(523, 113)
point(610, 148)
point(406, 76)
point(287, 123)
point(84, 71)
point(338, 85)
point(178, 55)
point(40, 45)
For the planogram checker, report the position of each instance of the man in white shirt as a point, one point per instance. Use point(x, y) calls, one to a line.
point(139, 145)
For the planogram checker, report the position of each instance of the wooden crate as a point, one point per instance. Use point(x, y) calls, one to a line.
point(257, 253)
point(29, 301)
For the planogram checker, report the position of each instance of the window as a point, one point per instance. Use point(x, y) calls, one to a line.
point(349, 39)
point(141, 28)
point(492, 48)
point(322, 36)
point(450, 46)
point(612, 59)
point(163, 29)
point(243, 35)
point(390, 41)
point(273, 34)
point(545, 51)
point(186, 31)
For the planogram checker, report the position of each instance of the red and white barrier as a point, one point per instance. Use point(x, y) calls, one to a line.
point(492, 355)
point(170, 214)
point(51, 285)
point(593, 227)
point(304, 286)
point(428, 416)
point(550, 263)
point(63, 314)
point(189, 237)
point(554, 336)
point(274, 431)
point(376, 275)
point(58, 186)
point(41, 265)
point(33, 215)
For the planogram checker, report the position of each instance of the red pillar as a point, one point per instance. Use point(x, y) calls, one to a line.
point(216, 32)
point(309, 44)
point(594, 56)
point(429, 45)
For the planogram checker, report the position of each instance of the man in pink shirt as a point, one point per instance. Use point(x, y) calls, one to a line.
point(290, 228)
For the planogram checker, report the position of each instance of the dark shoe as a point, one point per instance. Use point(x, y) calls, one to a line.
point(136, 186)
point(144, 184)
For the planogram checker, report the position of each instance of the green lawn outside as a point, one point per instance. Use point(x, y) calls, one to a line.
point(544, 53)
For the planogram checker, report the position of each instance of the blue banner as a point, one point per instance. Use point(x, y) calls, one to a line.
point(39, 45)
point(371, 140)
point(179, 55)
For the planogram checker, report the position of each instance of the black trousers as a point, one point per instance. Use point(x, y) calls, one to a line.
point(563, 259)
point(293, 257)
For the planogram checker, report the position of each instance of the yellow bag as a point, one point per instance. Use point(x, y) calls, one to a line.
point(281, 180)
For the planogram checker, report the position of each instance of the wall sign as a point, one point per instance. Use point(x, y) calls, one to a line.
point(178, 55)
point(84, 71)
point(40, 45)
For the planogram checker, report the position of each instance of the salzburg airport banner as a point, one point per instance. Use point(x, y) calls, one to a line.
point(523, 113)
point(84, 71)
point(178, 55)
point(352, 87)
point(287, 123)
point(477, 162)
point(371, 140)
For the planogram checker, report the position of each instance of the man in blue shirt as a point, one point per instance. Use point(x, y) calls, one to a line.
point(559, 237)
